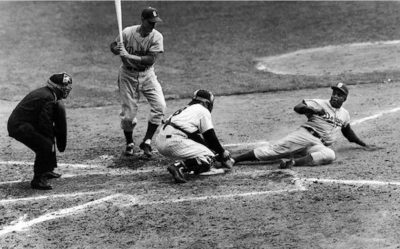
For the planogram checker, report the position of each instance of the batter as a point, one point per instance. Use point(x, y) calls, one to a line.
point(139, 50)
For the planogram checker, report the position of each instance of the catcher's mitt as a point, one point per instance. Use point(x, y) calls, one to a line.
point(60, 126)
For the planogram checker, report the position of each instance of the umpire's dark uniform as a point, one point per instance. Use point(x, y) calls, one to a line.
point(33, 123)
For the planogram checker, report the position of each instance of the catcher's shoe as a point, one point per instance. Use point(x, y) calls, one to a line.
point(286, 164)
point(129, 149)
point(146, 149)
point(52, 175)
point(177, 173)
point(40, 182)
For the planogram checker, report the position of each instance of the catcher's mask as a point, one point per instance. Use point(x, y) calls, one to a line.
point(62, 82)
point(204, 96)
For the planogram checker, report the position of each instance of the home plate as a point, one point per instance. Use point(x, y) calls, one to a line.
point(213, 171)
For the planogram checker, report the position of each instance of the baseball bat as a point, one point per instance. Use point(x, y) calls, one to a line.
point(119, 18)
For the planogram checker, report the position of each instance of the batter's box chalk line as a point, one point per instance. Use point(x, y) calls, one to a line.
point(42, 197)
point(22, 224)
point(125, 200)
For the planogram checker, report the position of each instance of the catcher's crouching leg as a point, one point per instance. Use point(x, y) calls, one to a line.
point(180, 169)
point(197, 166)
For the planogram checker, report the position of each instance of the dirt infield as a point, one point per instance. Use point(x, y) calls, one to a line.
point(107, 201)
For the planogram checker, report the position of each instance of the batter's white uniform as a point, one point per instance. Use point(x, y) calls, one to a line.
point(326, 129)
point(134, 78)
point(173, 143)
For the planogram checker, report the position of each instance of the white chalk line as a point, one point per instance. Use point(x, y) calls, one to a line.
point(358, 121)
point(124, 200)
point(204, 198)
point(41, 197)
point(21, 224)
point(355, 122)
point(352, 182)
point(375, 116)
point(109, 173)
point(72, 165)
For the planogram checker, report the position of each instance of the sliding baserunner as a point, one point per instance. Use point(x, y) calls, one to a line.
point(310, 143)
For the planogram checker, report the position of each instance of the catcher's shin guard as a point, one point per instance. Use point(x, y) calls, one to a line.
point(178, 171)
point(197, 166)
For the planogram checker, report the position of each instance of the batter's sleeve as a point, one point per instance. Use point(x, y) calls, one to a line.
point(157, 46)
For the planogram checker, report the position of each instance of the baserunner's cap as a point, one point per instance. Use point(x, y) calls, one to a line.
point(151, 14)
point(341, 87)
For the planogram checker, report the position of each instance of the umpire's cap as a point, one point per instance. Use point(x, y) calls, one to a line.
point(341, 87)
point(61, 79)
point(151, 14)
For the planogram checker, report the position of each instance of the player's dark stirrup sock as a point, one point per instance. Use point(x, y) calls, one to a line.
point(128, 137)
point(306, 160)
point(151, 129)
point(248, 156)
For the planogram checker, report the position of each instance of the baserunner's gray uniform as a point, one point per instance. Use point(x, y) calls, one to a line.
point(314, 136)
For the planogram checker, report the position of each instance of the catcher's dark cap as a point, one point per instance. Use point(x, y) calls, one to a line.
point(341, 87)
point(61, 79)
point(203, 95)
point(151, 14)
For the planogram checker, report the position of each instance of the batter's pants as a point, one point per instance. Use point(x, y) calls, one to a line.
point(43, 147)
point(130, 84)
point(299, 141)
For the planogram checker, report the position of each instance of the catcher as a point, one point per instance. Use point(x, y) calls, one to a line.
point(309, 144)
point(188, 135)
point(37, 121)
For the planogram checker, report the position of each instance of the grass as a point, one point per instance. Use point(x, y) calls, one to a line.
point(210, 45)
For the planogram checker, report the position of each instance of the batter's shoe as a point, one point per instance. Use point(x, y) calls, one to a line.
point(177, 173)
point(146, 149)
point(52, 175)
point(286, 164)
point(40, 182)
point(129, 149)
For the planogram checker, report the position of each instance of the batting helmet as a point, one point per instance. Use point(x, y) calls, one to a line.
point(204, 96)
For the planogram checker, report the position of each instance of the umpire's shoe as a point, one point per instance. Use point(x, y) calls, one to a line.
point(286, 164)
point(40, 182)
point(177, 172)
point(146, 149)
point(52, 175)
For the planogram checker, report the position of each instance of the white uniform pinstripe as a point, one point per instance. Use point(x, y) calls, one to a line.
point(175, 144)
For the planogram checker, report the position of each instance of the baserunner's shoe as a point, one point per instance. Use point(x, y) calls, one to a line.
point(129, 149)
point(286, 164)
point(177, 173)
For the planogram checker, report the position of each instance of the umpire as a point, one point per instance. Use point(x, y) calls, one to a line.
point(37, 121)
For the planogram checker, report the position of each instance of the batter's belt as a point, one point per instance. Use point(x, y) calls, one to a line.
point(136, 69)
